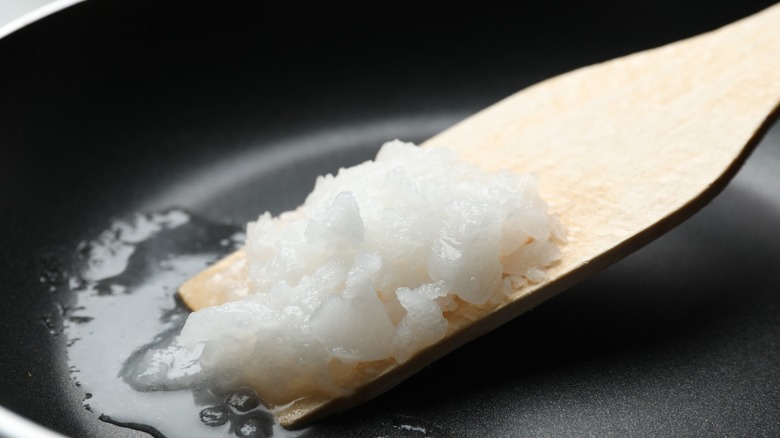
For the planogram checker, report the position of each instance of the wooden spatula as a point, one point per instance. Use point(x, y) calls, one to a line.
point(624, 150)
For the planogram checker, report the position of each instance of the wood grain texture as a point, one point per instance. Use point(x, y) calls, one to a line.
point(624, 151)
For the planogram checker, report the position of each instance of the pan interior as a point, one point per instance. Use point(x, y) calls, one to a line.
point(119, 109)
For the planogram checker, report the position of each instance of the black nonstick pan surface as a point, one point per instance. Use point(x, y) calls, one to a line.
point(228, 109)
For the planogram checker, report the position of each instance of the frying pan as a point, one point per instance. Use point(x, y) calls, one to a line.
point(109, 108)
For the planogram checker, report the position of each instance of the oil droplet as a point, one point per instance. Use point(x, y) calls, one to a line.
point(214, 416)
point(243, 400)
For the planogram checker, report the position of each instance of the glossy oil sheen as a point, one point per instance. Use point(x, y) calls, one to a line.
point(114, 108)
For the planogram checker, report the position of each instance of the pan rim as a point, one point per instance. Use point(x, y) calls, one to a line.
point(14, 425)
point(35, 15)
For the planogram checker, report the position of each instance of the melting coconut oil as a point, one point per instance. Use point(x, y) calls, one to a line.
point(121, 315)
